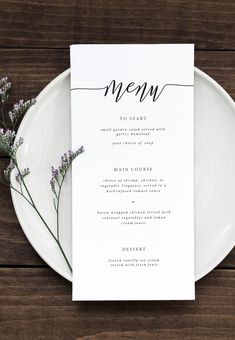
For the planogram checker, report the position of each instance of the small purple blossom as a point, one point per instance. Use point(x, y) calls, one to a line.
point(7, 138)
point(4, 88)
point(54, 172)
point(21, 175)
point(16, 146)
point(3, 80)
point(19, 109)
point(7, 142)
point(58, 175)
point(8, 170)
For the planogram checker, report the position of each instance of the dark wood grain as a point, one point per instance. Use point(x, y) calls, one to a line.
point(47, 23)
point(36, 304)
point(30, 70)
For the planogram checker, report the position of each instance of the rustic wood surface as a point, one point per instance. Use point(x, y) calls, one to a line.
point(35, 303)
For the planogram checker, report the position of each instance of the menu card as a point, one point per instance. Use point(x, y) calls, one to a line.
point(133, 187)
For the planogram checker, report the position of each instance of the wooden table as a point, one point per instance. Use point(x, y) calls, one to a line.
point(35, 302)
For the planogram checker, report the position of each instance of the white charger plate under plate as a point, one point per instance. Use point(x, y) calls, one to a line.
point(46, 133)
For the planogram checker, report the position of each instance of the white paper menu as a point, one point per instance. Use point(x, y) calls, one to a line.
point(133, 187)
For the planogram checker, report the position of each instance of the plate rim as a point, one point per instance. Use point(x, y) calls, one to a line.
point(26, 117)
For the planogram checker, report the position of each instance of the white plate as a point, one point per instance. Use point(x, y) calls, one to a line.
point(46, 132)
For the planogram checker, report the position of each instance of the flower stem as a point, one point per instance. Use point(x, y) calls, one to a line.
point(58, 207)
point(65, 257)
point(58, 202)
point(40, 216)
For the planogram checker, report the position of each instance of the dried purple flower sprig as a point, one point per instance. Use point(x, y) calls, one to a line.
point(19, 110)
point(5, 86)
point(10, 146)
point(58, 176)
